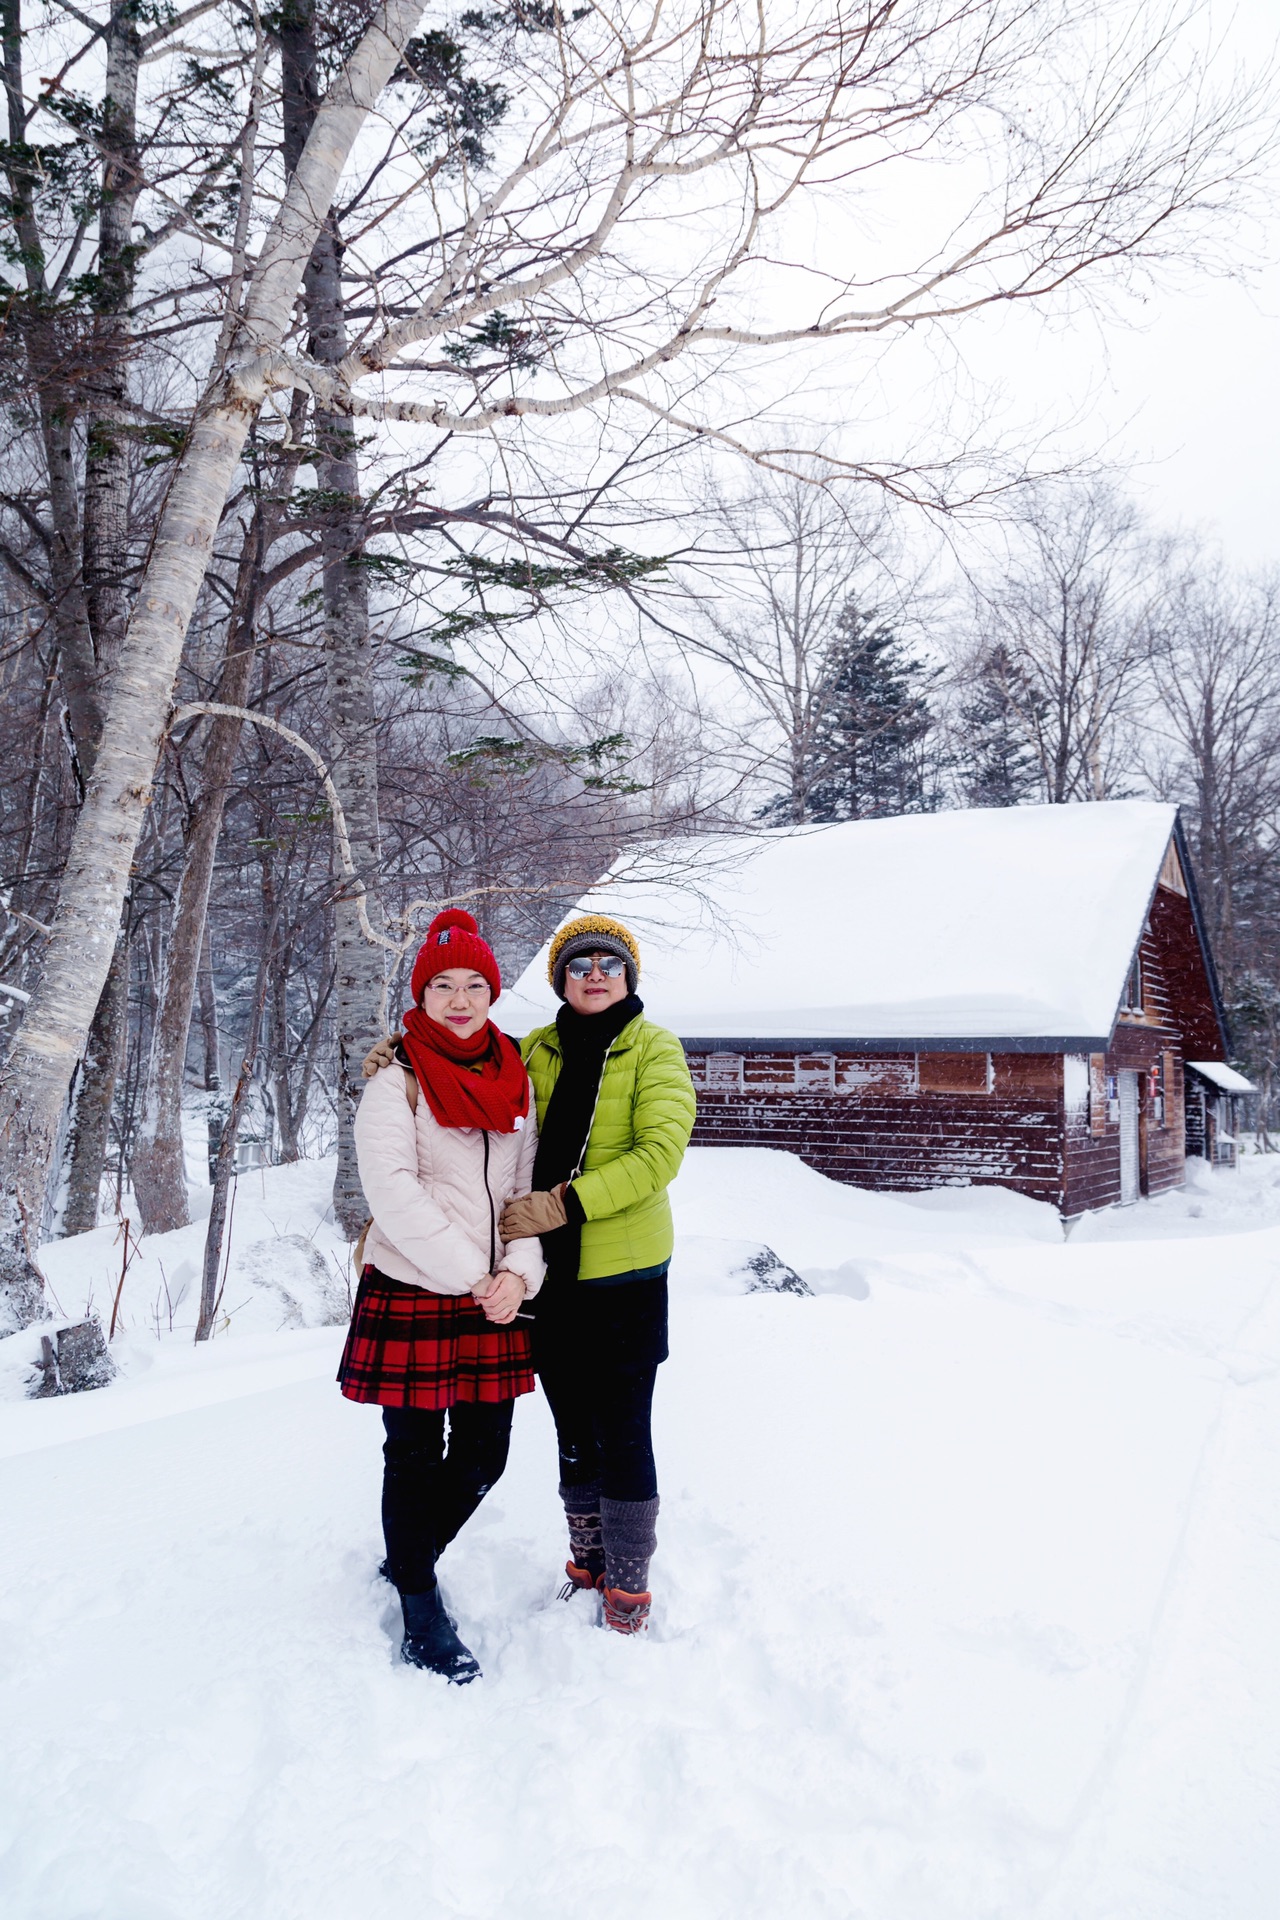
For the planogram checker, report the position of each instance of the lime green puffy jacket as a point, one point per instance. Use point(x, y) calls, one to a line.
point(644, 1116)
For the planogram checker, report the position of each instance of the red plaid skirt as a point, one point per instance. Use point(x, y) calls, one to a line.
point(411, 1348)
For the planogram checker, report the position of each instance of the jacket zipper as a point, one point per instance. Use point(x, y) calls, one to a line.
point(493, 1227)
point(591, 1122)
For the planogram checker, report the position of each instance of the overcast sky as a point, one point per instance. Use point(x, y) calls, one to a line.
point(1190, 393)
point(1172, 384)
point(1186, 385)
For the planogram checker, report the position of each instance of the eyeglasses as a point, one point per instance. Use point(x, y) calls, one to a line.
point(479, 990)
point(609, 964)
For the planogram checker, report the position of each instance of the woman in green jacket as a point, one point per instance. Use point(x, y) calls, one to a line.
point(615, 1110)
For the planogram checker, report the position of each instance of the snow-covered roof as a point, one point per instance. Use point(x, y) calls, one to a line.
point(1225, 1077)
point(1012, 923)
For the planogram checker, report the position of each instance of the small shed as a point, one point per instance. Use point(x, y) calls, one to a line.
point(1010, 996)
point(1213, 1096)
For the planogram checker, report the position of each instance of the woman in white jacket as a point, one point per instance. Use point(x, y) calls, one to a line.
point(444, 1137)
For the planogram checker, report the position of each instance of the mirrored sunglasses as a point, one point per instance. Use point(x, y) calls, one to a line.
point(609, 964)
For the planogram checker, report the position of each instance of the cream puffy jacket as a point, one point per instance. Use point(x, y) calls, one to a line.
point(437, 1193)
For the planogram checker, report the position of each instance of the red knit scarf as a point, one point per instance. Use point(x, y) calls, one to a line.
point(475, 1082)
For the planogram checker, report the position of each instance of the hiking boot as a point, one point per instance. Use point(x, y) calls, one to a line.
point(586, 1542)
point(626, 1612)
point(581, 1580)
point(430, 1641)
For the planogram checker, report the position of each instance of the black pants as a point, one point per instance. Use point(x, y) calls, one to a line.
point(428, 1495)
point(597, 1351)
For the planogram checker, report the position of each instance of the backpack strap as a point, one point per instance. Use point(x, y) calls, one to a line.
point(410, 1077)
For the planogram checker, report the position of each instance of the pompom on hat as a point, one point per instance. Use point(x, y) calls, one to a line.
point(592, 933)
point(453, 940)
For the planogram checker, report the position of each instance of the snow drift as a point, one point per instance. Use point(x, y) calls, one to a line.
point(966, 1589)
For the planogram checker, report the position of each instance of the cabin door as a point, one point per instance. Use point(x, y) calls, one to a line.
point(1128, 1138)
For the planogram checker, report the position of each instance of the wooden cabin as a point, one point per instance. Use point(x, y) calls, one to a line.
point(1011, 996)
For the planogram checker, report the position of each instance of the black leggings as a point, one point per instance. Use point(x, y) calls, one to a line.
point(597, 1351)
point(428, 1495)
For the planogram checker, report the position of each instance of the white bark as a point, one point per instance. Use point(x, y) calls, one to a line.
point(360, 970)
point(52, 1037)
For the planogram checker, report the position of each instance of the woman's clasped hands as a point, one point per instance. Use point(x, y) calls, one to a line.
point(500, 1295)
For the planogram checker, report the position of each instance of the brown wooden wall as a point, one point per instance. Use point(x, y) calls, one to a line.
point(1092, 1141)
point(914, 1120)
point(1185, 1001)
point(900, 1121)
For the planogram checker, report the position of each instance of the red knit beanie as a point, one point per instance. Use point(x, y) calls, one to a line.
point(453, 940)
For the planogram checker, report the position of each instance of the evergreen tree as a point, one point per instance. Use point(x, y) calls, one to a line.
point(870, 748)
point(997, 764)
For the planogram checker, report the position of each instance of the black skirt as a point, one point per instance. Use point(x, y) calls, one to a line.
point(602, 1328)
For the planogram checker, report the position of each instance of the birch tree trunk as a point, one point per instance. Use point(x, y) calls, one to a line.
point(360, 981)
point(276, 1016)
point(209, 1016)
point(107, 466)
point(157, 1163)
point(34, 1083)
point(360, 968)
point(223, 1170)
point(105, 547)
point(77, 663)
point(91, 1122)
point(286, 1109)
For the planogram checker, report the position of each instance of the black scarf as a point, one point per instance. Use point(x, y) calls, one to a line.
point(585, 1038)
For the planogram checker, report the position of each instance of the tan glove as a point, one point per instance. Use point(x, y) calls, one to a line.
point(383, 1055)
point(533, 1213)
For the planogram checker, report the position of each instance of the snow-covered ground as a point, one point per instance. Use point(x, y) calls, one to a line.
point(966, 1598)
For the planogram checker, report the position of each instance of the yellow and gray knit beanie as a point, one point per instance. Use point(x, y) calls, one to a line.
point(592, 933)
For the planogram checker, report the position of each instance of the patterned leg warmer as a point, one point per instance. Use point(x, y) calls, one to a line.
point(629, 1542)
point(586, 1544)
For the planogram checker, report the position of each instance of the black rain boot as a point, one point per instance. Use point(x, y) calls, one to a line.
point(384, 1573)
point(430, 1641)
